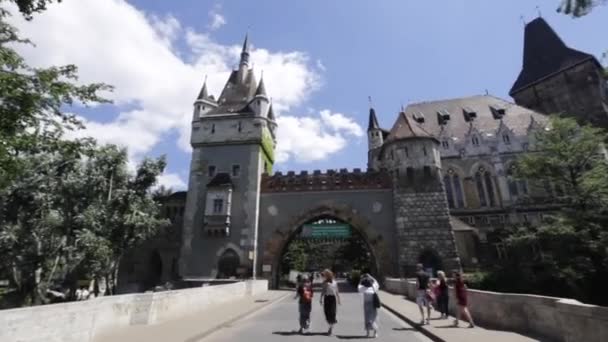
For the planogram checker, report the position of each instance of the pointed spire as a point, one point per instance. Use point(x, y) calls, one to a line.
point(373, 120)
point(245, 52)
point(261, 91)
point(271, 113)
point(203, 94)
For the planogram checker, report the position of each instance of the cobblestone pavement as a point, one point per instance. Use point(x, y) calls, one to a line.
point(279, 322)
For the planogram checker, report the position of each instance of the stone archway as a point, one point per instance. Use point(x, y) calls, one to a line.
point(276, 246)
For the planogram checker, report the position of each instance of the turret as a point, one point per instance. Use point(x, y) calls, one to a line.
point(410, 150)
point(374, 133)
point(260, 103)
point(203, 103)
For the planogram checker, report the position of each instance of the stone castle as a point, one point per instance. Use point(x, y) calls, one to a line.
point(439, 183)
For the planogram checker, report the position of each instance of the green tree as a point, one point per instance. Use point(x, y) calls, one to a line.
point(567, 255)
point(73, 215)
point(33, 100)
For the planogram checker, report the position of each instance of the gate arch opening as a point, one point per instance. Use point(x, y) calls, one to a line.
point(324, 240)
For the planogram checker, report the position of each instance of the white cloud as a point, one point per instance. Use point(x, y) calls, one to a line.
point(307, 139)
point(113, 42)
point(171, 181)
point(217, 19)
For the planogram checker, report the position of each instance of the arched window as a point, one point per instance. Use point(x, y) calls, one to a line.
point(485, 187)
point(448, 190)
point(517, 187)
point(453, 189)
point(475, 140)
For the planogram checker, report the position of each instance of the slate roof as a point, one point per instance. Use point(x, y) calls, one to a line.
point(516, 118)
point(220, 179)
point(178, 195)
point(373, 120)
point(405, 127)
point(261, 89)
point(545, 54)
point(236, 94)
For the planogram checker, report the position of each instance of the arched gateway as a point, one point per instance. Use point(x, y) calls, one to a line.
point(398, 206)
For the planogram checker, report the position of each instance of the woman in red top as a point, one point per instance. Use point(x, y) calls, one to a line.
point(461, 298)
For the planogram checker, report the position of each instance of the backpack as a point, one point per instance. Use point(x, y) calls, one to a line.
point(306, 294)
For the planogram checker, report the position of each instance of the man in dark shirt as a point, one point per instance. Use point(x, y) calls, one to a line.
point(422, 282)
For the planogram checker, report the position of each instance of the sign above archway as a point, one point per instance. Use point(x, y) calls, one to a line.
point(326, 230)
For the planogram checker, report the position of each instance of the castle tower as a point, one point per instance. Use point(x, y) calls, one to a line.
point(558, 79)
point(375, 139)
point(421, 210)
point(233, 142)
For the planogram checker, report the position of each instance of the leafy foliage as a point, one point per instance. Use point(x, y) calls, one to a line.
point(70, 216)
point(69, 209)
point(578, 8)
point(33, 100)
point(566, 256)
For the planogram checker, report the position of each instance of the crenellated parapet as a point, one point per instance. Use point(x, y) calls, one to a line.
point(330, 180)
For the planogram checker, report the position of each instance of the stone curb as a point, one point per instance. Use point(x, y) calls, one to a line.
point(227, 323)
point(415, 325)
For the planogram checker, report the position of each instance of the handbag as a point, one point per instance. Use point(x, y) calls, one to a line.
point(376, 300)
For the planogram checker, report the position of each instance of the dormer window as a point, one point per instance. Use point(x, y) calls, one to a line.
point(497, 112)
point(475, 140)
point(469, 114)
point(445, 144)
point(443, 116)
point(419, 117)
point(506, 139)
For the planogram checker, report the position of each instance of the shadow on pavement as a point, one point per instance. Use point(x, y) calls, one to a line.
point(352, 337)
point(404, 329)
point(446, 326)
point(295, 333)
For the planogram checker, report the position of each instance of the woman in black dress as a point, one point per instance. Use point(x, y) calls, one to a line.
point(329, 299)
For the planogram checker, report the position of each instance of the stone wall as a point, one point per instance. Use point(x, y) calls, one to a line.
point(422, 220)
point(556, 319)
point(83, 321)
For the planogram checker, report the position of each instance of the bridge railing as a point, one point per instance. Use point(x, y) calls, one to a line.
point(557, 319)
point(83, 321)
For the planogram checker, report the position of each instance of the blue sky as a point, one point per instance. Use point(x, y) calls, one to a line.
point(331, 55)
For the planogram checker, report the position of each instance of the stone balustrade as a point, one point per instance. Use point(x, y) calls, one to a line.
point(556, 319)
point(325, 181)
point(83, 321)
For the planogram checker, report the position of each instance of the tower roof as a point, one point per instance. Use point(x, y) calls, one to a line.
point(261, 91)
point(406, 128)
point(545, 54)
point(373, 121)
point(204, 94)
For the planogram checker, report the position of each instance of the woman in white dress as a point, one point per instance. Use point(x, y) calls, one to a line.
point(368, 286)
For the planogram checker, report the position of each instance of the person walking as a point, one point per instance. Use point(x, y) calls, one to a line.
point(369, 288)
point(330, 297)
point(461, 297)
point(422, 298)
point(443, 295)
point(305, 293)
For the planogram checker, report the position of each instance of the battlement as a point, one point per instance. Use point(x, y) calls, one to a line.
point(330, 180)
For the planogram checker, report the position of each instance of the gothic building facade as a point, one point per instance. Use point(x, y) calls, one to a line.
point(439, 182)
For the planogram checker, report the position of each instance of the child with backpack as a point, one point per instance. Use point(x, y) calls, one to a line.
point(304, 292)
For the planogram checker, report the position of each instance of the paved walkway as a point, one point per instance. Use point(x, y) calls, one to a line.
point(442, 330)
point(279, 322)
